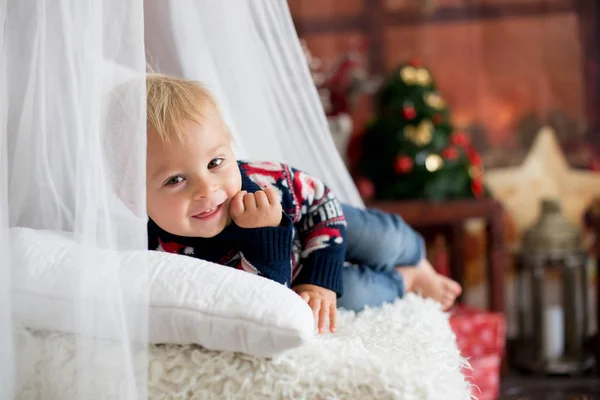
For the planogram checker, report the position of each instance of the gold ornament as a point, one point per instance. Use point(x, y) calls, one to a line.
point(415, 76)
point(409, 74)
point(423, 77)
point(433, 99)
point(475, 171)
point(420, 135)
point(433, 162)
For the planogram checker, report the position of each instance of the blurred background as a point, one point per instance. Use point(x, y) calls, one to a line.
point(437, 103)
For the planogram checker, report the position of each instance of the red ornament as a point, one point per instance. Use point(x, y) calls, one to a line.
point(409, 112)
point(338, 103)
point(403, 165)
point(459, 139)
point(477, 187)
point(365, 188)
point(450, 153)
point(437, 118)
point(474, 156)
point(415, 62)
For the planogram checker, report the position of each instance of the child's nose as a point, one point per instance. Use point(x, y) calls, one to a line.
point(204, 188)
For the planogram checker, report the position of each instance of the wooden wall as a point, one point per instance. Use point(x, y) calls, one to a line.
point(495, 61)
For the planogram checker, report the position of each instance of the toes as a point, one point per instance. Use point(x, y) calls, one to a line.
point(437, 287)
point(450, 295)
point(457, 288)
point(446, 304)
point(453, 287)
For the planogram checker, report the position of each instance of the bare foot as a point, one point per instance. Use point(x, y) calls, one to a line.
point(424, 280)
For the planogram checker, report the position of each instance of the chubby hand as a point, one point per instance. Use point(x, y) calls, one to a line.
point(323, 303)
point(256, 210)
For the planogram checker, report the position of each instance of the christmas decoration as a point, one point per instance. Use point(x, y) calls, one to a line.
point(420, 135)
point(544, 173)
point(415, 62)
point(365, 188)
point(434, 100)
point(433, 162)
point(410, 149)
point(403, 165)
point(480, 336)
point(409, 111)
point(412, 74)
point(459, 139)
point(450, 153)
point(339, 83)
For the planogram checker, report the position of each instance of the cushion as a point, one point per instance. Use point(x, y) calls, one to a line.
point(405, 350)
point(191, 301)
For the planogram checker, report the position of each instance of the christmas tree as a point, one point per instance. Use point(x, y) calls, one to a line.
point(410, 149)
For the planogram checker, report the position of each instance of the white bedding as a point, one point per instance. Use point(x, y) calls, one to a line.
point(405, 350)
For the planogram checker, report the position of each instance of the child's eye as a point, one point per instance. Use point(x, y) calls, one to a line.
point(215, 162)
point(174, 180)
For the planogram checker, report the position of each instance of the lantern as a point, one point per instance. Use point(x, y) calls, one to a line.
point(552, 297)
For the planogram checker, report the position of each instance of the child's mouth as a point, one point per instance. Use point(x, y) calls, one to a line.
point(208, 213)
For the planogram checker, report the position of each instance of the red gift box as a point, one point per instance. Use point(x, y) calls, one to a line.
point(480, 336)
point(478, 332)
point(484, 376)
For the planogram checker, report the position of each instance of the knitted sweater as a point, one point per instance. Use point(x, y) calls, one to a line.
point(307, 248)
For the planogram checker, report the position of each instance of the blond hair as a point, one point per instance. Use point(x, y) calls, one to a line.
point(172, 101)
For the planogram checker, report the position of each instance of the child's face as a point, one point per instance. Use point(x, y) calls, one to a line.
point(189, 185)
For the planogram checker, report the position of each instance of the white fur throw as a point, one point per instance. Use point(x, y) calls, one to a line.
point(404, 350)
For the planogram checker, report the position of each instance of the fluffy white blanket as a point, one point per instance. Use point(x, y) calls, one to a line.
point(404, 350)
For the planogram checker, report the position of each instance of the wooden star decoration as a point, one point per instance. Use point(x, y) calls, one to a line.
point(543, 174)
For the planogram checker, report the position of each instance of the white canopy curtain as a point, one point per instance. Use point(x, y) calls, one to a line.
point(72, 157)
point(72, 161)
point(249, 55)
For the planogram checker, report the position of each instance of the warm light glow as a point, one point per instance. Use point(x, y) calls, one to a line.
point(462, 119)
point(433, 162)
point(500, 119)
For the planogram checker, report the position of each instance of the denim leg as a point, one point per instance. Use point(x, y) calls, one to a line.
point(380, 240)
point(364, 286)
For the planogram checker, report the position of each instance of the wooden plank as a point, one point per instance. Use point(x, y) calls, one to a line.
point(442, 15)
point(497, 260)
point(424, 213)
point(339, 23)
point(479, 13)
point(456, 238)
point(374, 13)
point(589, 21)
point(596, 222)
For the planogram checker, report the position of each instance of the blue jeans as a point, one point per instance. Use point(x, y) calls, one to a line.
point(377, 242)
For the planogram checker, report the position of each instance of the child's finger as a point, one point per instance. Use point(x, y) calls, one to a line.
point(305, 296)
point(236, 207)
point(332, 318)
point(323, 314)
point(250, 202)
point(315, 304)
point(262, 202)
point(272, 195)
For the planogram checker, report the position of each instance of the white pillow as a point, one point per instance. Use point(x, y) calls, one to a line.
point(191, 301)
